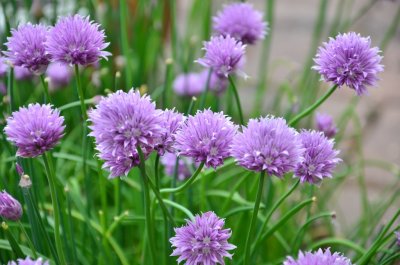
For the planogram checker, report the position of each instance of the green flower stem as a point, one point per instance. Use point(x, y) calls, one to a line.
point(147, 206)
point(310, 109)
point(10, 89)
point(31, 246)
point(235, 93)
point(165, 93)
point(254, 218)
point(207, 88)
point(46, 89)
point(80, 93)
point(156, 171)
point(53, 193)
point(186, 184)
point(338, 241)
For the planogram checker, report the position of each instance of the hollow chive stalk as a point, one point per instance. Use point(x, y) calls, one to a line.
point(311, 108)
point(237, 99)
point(46, 89)
point(52, 184)
point(253, 218)
point(186, 184)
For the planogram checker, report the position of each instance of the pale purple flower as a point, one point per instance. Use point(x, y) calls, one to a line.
point(188, 84)
point(202, 241)
point(319, 257)
point(3, 67)
point(349, 60)
point(320, 157)
point(35, 129)
point(241, 21)
point(10, 208)
point(206, 137)
point(29, 261)
point(325, 124)
point(267, 144)
point(223, 54)
point(59, 75)
point(217, 84)
point(120, 123)
point(184, 163)
point(171, 122)
point(76, 40)
point(26, 48)
point(22, 73)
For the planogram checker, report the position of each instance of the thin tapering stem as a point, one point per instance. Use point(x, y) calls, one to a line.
point(31, 246)
point(253, 218)
point(46, 89)
point(206, 89)
point(156, 171)
point(237, 99)
point(186, 184)
point(80, 92)
point(311, 108)
point(53, 193)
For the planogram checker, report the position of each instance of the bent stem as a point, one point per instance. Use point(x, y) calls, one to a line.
point(310, 109)
point(254, 218)
point(186, 184)
point(236, 99)
point(52, 184)
point(147, 205)
point(46, 89)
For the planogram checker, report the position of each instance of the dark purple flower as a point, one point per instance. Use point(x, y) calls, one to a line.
point(76, 40)
point(206, 137)
point(3, 67)
point(349, 60)
point(26, 48)
point(188, 85)
point(325, 124)
point(169, 161)
point(267, 144)
point(121, 122)
point(223, 54)
point(202, 241)
point(320, 157)
point(35, 129)
point(21, 73)
point(29, 261)
point(10, 208)
point(241, 21)
point(59, 75)
point(318, 258)
point(171, 122)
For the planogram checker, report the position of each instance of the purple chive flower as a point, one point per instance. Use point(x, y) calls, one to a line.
point(223, 54)
point(169, 161)
point(349, 60)
point(59, 75)
point(171, 122)
point(35, 129)
point(26, 48)
point(241, 21)
point(188, 85)
point(29, 261)
point(76, 40)
point(325, 124)
point(3, 66)
point(319, 257)
point(21, 73)
point(10, 208)
point(202, 241)
point(267, 144)
point(320, 157)
point(121, 122)
point(206, 137)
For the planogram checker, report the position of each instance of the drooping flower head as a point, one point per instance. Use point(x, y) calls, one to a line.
point(76, 40)
point(188, 85)
point(206, 137)
point(319, 257)
point(202, 241)
point(171, 122)
point(10, 208)
point(241, 21)
point(169, 161)
point(26, 48)
point(349, 60)
point(320, 157)
point(35, 129)
point(21, 73)
point(121, 122)
point(59, 75)
point(29, 261)
point(325, 124)
point(223, 54)
point(267, 144)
